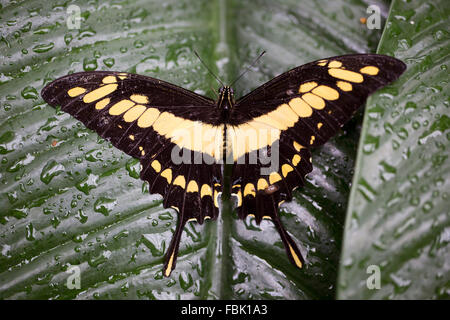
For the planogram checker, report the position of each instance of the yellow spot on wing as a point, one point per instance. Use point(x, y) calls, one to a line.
point(193, 135)
point(270, 119)
point(326, 92)
point(239, 196)
point(335, 64)
point(180, 181)
point(296, 159)
point(314, 101)
point(139, 98)
point(307, 86)
point(301, 108)
point(249, 190)
point(102, 103)
point(205, 191)
point(312, 139)
point(297, 146)
point(285, 169)
point(74, 92)
point(344, 86)
point(134, 113)
point(346, 75)
point(120, 107)
point(296, 258)
point(216, 197)
point(156, 165)
point(274, 177)
point(192, 186)
point(265, 129)
point(109, 79)
point(167, 123)
point(262, 184)
point(148, 118)
point(319, 125)
point(131, 137)
point(256, 134)
point(370, 70)
point(169, 266)
point(284, 115)
point(167, 174)
point(99, 93)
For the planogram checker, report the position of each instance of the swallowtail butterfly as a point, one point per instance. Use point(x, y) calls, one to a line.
point(183, 139)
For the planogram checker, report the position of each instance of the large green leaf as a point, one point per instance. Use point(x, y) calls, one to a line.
point(69, 198)
point(398, 215)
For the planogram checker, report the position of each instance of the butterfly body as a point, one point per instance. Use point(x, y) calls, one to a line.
point(183, 139)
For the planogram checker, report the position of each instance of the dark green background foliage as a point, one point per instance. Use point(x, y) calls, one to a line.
point(69, 198)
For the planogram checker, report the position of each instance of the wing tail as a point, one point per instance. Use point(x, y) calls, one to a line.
point(290, 246)
point(170, 259)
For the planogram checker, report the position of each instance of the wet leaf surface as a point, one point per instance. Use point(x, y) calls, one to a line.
point(398, 215)
point(68, 198)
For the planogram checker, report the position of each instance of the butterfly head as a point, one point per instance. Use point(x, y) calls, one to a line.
point(226, 100)
point(226, 97)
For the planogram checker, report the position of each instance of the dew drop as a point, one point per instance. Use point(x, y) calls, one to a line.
point(29, 93)
point(104, 205)
point(89, 64)
point(90, 182)
point(109, 62)
point(40, 48)
point(51, 170)
point(154, 243)
point(185, 280)
point(29, 232)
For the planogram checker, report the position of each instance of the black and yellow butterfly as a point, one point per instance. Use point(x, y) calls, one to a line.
point(182, 138)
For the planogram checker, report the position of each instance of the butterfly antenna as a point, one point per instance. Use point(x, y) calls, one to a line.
point(248, 68)
point(209, 70)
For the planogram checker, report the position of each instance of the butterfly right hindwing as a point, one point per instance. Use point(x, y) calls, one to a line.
point(295, 111)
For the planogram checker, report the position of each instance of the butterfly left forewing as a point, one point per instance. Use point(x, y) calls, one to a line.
point(159, 124)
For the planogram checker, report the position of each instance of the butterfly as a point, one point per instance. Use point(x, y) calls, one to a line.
point(183, 139)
